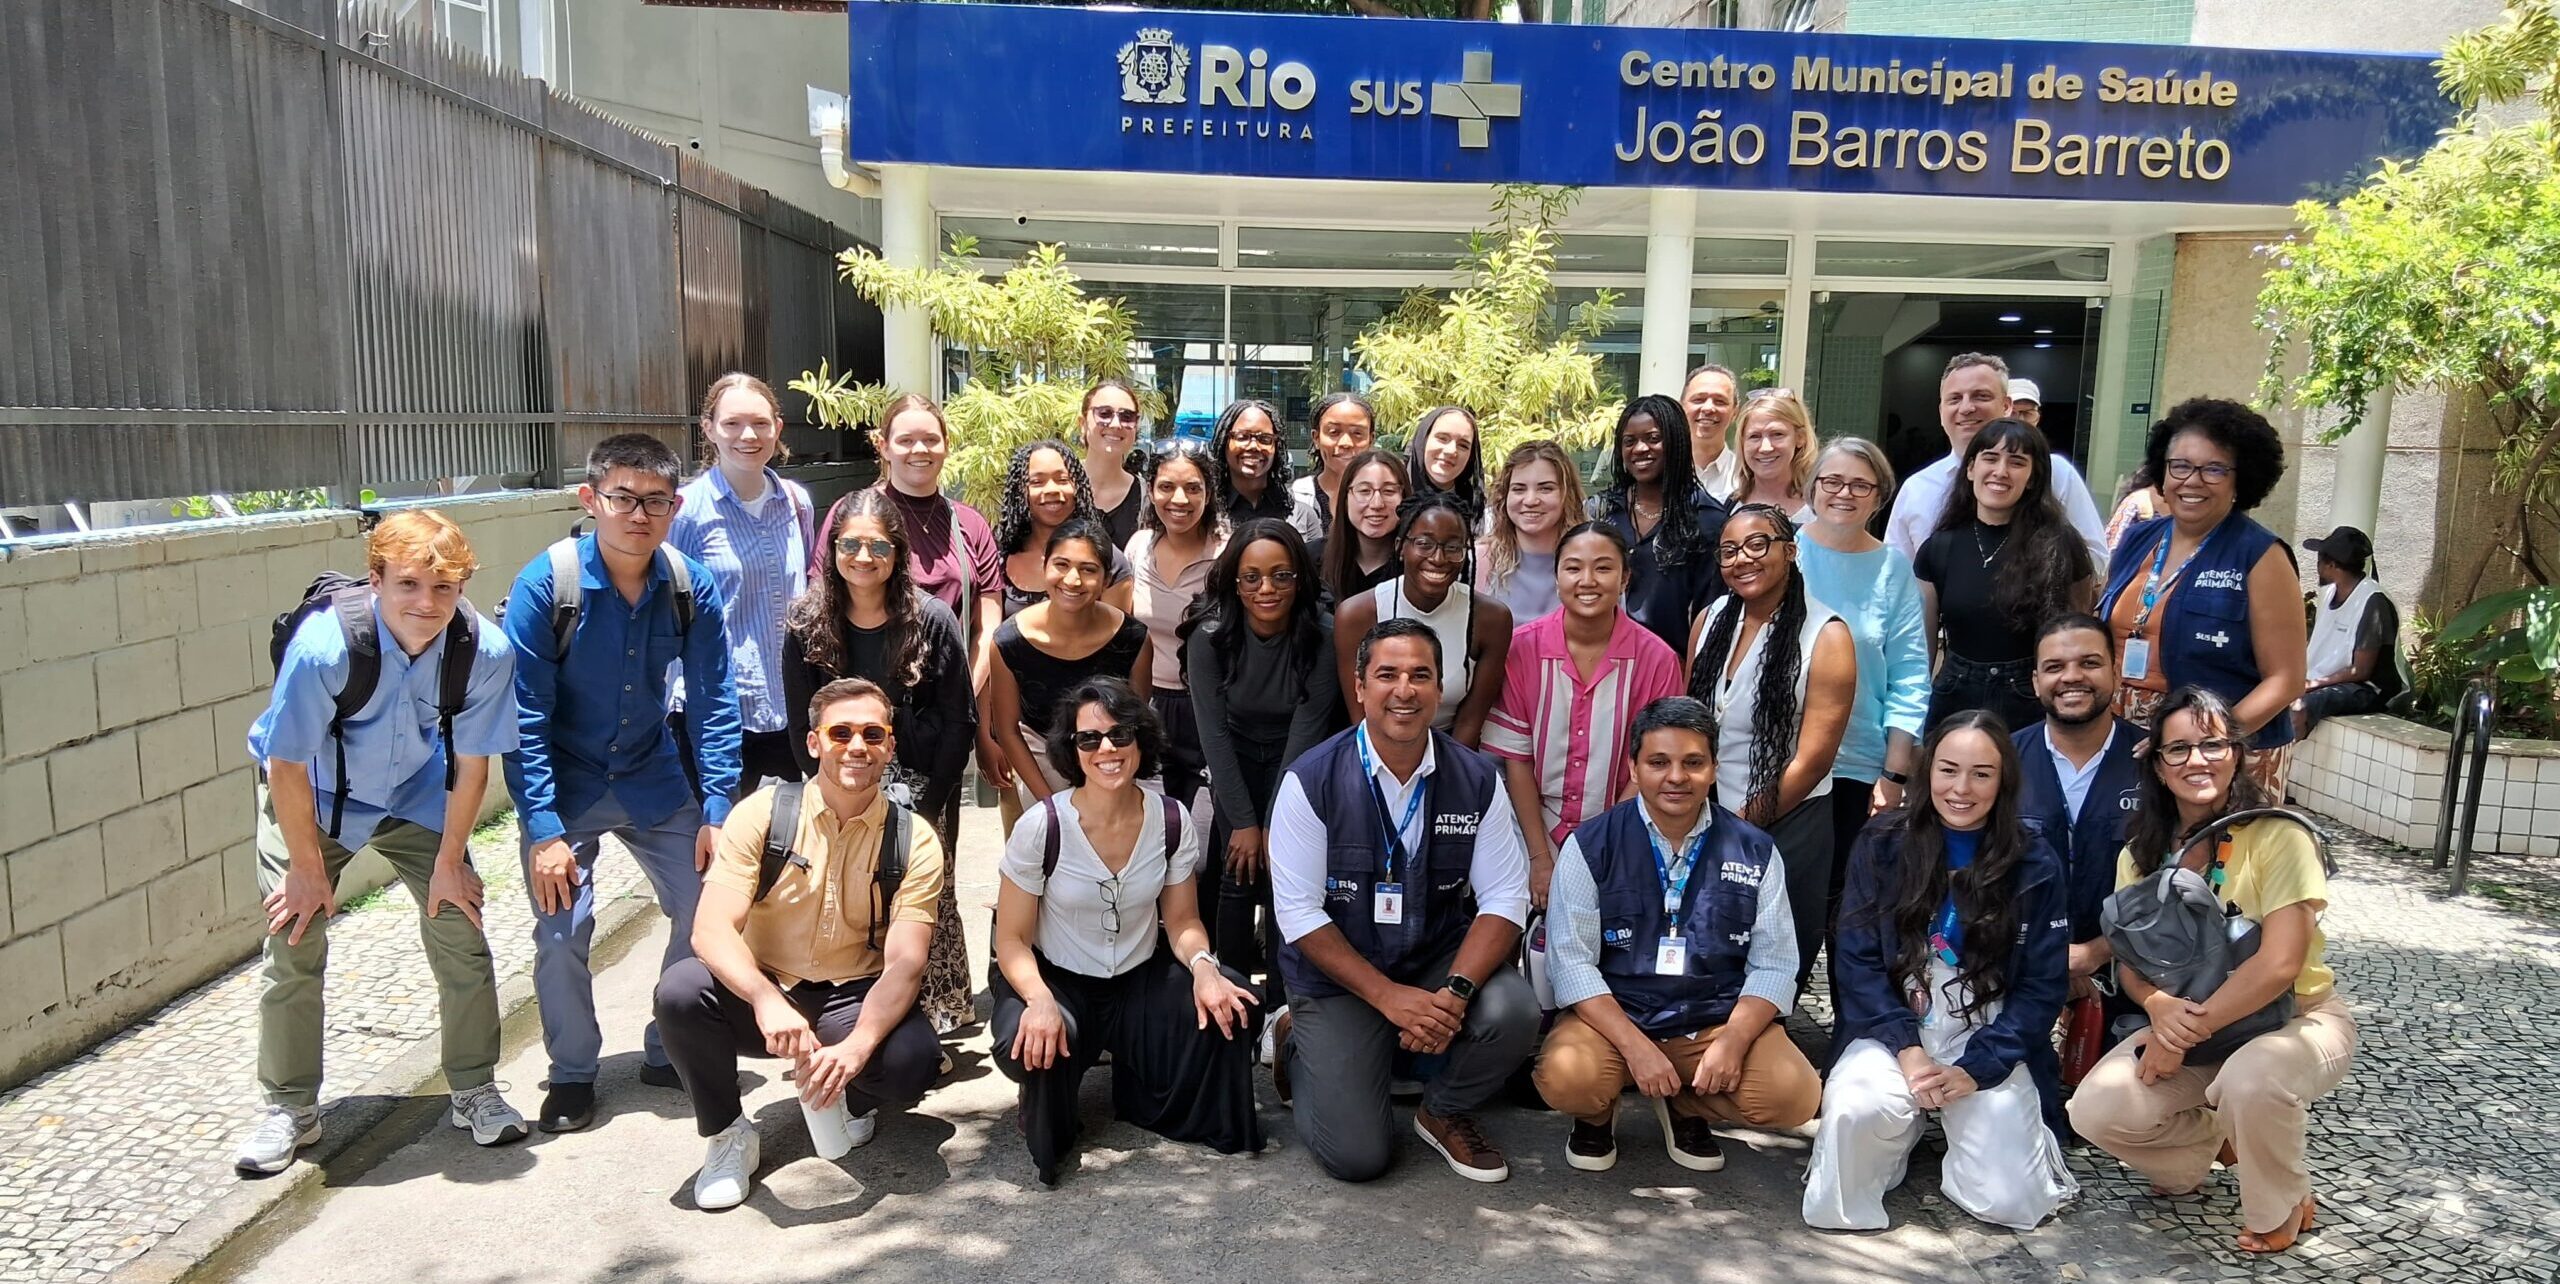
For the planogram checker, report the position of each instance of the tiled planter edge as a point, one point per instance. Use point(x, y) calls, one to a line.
point(2385, 776)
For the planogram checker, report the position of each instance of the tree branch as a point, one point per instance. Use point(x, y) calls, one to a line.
point(1372, 9)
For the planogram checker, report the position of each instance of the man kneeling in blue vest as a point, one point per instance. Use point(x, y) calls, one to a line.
point(1678, 982)
point(1399, 881)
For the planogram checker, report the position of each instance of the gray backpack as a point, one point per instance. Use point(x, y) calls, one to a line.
point(2174, 929)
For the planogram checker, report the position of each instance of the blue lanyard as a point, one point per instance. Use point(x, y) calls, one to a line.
point(1673, 893)
point(1394, 855)
point(2151, 583)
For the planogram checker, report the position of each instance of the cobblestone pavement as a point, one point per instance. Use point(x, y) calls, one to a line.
point(104, 1156)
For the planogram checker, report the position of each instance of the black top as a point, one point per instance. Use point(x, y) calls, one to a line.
point(1261, 708)
point(1665, 599)
point(1361, 581)
point(1042, 678)
point(1964, 563)
point(936, 720)
point(1117, 574)
point(1275, 504)
point(1122, 523)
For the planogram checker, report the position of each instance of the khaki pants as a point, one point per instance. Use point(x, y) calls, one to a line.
point(1581, 1073)
point(290, 1015)
point(2260, 1098)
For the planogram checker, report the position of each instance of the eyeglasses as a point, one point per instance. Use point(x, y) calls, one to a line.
point(1251, 580)
point(1107, 415)
point(1121, 735)
point(1364, 493)
point(2182, 469)
point(1853, 487)
point(842, 734)
point(1110, 905)
point(1262, 439)
point(623, 503)
point(1757, 393)
point(855, 546)
point(1753, 547)
point(2177, 752)
point(1425, 546)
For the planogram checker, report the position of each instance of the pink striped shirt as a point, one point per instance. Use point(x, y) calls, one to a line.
point(1574, 730)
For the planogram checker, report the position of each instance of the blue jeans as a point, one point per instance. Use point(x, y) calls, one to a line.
point(562, 982)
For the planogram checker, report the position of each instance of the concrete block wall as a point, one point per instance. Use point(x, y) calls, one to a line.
point(132, 663)
point(2385, 776)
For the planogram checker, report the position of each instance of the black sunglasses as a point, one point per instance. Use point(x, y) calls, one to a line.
point(841, 734)
point(1121, 735)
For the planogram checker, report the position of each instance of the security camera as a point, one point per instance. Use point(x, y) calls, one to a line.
point(693, 143)
point(1021, 220)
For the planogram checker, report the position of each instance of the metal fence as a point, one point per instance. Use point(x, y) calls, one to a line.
point(300, 243)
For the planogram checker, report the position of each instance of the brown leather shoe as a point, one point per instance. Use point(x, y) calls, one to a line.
point(1462, 1142)
point(1280, 1055)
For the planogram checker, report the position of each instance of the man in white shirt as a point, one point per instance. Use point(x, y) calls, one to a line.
point(1400, 884)
point(1709, 396)
point(1972, 392)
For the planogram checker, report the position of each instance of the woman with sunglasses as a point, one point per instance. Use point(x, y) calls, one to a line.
point(1182, 537)
point(1050, 646)
point(1346, 425)
point(1535, 497)
point(2206, 596)
point(1953, 941)
point(1358, 553)
point(1474, 632)
point(1045, 487)
point(867, 619)
point(1100, 950)
point(1257, 653)
point(2003, 560)
point(1255, 461)
point(1446, 457)
point(1670, 521)
point(1108, 425)
point(1774, 440)
point(2144, 1102)
point(1779, 671)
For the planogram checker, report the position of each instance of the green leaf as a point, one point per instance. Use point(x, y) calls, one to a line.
point(2473, 619)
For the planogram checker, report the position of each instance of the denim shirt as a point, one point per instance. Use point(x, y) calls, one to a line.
point(595, 721)
point(762, 562)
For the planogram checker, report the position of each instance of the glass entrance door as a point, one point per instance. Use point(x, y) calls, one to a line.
point(1873, 361)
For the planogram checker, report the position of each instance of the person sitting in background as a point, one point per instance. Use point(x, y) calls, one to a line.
point(2355, 635)
point(1678, 985)
point(808, 949)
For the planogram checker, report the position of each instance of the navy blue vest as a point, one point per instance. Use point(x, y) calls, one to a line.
point(1439, 904)
point(2204, 629)
point(1716, 916)
point(2089, 846)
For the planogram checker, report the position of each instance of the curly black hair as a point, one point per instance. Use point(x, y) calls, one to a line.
point(1678, 537)
point(1775, 709)
point(1123, 706)
point(1220, 437)
point(2257, 453)
point(1014, 527)
point(1468, 489)
point(2042, 560)
point(1984, 891)
point(1147, 457)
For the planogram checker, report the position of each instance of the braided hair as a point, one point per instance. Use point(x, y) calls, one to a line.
point(818, 616)
point(1777, 712)
point(1014, 527)
point(1223, 434)
point(1677, 537)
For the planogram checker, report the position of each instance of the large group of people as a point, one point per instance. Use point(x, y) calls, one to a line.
point(1301, 771)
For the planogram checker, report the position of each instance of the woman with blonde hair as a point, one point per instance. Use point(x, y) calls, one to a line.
point(1774, 441)
point(1535, 498)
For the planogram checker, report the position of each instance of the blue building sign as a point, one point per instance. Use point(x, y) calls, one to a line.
point(1158, 91)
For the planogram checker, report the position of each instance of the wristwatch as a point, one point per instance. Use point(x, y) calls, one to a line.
point(1895, 776)
point(1460, 986)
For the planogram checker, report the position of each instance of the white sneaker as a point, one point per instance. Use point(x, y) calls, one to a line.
point(1270, 1034)
point(271, 1142)
point(860, 1131)
point(729, 1169)
point(484, 1110)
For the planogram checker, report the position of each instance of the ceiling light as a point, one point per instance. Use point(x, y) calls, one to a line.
point(2044, 329)
point(2044, 345)
point(2010, 318)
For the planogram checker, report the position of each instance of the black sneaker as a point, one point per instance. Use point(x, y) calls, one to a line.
point(657, 1076)
point(568, 1107)
point(1593, 1148)
point(1691, 1142)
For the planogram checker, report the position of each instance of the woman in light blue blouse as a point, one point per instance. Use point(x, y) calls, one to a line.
point(1872, 587)
point(753, 530)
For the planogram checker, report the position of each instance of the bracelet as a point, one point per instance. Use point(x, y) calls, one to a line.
point(1204, 954)
point(1896, 777)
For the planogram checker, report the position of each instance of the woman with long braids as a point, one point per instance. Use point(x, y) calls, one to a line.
point(1954, 935)
point(2003, 560)
point(1255, 459)
point(867, 619)
point(1359, 552)
point(1474, 631)
point(1779, 671)
point(1257, 653)
point(1536, 497)
point(1045, 487)
point(1108, 425)
point(1180, 538)
point(1670, 522)
point(1446, 457)
point(2145, 1102)
point(1345, 425)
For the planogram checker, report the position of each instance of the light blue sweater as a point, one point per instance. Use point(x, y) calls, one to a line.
point(1876, 594)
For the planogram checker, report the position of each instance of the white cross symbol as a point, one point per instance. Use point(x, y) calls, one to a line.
point(2217, 638)
point(1475, 100)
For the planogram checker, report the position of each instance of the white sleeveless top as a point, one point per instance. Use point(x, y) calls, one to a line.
point(1737, 698)
point(1451, 624)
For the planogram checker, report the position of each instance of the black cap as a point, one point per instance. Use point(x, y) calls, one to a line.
point(2346, 546)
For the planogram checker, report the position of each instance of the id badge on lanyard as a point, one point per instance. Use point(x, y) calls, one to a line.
point(2137, 648)
point(1671, 955)
point(1386, 906)
point(1670, 951)
point(2137, 659)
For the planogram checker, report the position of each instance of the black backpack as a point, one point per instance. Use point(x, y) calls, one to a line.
point(782, 829)
point(351, 600)
point(566, 592)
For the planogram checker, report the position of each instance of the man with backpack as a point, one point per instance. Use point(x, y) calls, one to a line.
point(810, 944)
point(596, 622)
point(391, 695)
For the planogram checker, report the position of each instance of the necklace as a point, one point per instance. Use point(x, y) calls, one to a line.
point(1994, 550)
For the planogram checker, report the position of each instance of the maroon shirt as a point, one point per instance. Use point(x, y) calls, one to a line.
point(940, 568)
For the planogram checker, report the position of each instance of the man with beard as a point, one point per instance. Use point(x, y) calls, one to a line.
point(2078, 775)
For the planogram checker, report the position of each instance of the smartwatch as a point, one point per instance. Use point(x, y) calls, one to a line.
point(1460, 986)
point(1896, 777)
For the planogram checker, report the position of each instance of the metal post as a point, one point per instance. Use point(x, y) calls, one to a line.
point(2476, 715)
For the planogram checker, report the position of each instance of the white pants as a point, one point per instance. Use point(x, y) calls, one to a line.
point(2003, 1165)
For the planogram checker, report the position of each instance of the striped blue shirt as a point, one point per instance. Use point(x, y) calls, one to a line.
point(761, 561)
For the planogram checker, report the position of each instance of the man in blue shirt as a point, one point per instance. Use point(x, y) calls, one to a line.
point(595, 623)
point(382, 782)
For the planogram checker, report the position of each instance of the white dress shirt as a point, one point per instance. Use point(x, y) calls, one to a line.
point(1573, 927)
point(1923, 500)
point(2075, 779)
point(1499, 872)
